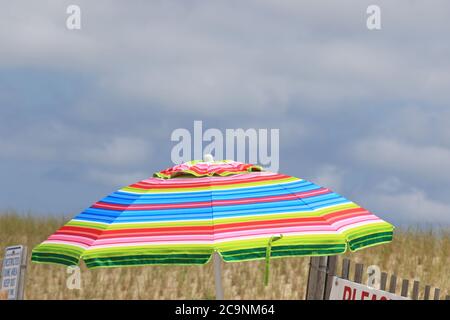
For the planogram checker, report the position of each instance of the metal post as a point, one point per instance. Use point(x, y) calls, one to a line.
point(23, 269)
point(218, 276)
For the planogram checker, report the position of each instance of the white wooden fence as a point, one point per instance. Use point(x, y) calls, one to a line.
point(323, 269)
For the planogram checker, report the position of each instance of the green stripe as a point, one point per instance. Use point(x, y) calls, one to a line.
point(370, 236)
point(145, 260)
point(153, 256)
point(89, 224)
point(283, 251)
point(358, 232)
point(281, 254)
point(146, 249)
point(59, 248)
point(370, 240)
point(284, 248)
point(54, 258)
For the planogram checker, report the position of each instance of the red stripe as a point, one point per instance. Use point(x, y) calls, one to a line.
point(170, 184)
point(327, 219)
point(207, 170)
point(80, 231)
point(202, 204)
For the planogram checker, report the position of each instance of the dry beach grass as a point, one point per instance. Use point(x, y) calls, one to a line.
point(414, 255)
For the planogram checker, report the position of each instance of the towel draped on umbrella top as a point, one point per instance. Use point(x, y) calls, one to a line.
point(182, 215)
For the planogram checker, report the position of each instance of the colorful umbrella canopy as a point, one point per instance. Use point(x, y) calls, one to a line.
point(184, 214)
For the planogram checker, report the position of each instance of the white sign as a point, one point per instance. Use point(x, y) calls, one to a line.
point(13, 272)
point(347, 290)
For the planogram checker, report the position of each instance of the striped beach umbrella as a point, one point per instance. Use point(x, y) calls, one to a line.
point(184, 214)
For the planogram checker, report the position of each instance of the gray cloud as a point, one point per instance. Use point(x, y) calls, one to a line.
point(96, 107)
point(406, 203)
point(426, 162)
point(208, 57)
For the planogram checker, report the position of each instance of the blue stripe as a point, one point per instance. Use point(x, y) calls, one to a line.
point(205, 213)
point(225, 211)
point(185, 197)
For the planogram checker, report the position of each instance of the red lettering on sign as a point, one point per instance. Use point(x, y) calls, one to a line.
point(347, 293)
point(364, 294)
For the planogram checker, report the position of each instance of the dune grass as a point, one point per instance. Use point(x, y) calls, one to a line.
point(414, 254)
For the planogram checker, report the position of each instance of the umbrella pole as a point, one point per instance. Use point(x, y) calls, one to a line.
point(218, 276)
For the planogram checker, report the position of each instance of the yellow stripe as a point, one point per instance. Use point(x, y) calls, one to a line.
point(212, 187)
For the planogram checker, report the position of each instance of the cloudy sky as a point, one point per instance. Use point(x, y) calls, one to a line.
point(366, 113)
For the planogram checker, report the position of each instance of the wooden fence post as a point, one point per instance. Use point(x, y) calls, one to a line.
point(383, 281)
point(426, 294)
point(415, 290)
point(405, 286)
point(331, 272)
point(437, 292)
point(345, 268)
point(393, 284)
point(317, 278)
point(359, 269)
point(312, 278)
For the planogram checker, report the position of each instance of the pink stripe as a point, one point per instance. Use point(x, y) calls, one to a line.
point(293, 196)
point(333, 228)
point(218, 236)
point(237, 177)
point(153, 239)
point(73, 239)
point(358, 223)
point(66, 242)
